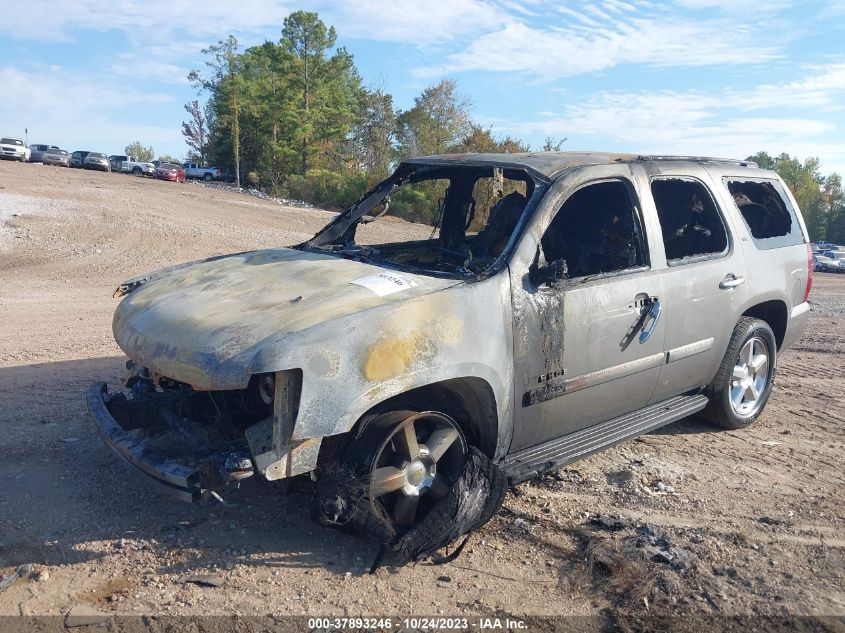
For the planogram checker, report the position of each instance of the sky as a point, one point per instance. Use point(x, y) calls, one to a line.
point(703, 77)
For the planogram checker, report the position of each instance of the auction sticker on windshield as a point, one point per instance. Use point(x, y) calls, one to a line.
point(385, 283)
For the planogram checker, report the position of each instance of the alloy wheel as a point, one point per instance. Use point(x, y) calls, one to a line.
point(416, 464)
point(750, 377)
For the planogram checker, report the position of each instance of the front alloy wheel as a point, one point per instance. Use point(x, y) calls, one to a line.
point(412, 460)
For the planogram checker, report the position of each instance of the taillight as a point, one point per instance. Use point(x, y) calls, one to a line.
point(809, 271)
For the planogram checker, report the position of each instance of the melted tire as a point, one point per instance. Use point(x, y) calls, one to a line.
point(342, 496)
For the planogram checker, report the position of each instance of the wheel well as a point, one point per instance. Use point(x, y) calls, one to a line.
point(469, 401)
point(772, 312)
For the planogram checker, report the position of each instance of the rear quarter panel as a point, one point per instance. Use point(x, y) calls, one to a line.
point(778, 273)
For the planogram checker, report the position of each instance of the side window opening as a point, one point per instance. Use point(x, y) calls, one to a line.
point(762, 207)
point(597, 230)
point(689, 220)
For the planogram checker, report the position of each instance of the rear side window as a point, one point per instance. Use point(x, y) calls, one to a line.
point(767, 213)
point(691, 225)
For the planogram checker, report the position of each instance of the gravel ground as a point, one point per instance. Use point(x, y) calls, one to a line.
point(687, 520)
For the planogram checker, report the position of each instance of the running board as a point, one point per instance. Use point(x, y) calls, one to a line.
point(533, 461)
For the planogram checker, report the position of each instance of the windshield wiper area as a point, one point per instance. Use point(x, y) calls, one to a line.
point(366, 254)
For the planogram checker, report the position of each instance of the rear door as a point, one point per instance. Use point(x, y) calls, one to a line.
point(704, 283)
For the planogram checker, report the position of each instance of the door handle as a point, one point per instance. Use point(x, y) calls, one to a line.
point(650, 321)
point(731, 281)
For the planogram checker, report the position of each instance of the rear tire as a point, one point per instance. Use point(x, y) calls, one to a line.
point(742, 385)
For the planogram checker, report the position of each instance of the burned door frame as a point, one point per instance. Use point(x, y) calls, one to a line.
point(567, 375)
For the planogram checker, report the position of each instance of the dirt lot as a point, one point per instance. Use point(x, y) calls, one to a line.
point(685, 520)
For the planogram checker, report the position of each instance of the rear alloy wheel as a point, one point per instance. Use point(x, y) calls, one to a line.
point(411, 459)
point(749, 377)
point(744, 382)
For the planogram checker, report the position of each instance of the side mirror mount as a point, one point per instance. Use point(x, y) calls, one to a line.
point(549, 274)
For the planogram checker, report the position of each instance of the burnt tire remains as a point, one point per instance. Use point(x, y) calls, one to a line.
point(348, 495)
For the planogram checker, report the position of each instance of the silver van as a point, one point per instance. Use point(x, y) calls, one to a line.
point(545, 306)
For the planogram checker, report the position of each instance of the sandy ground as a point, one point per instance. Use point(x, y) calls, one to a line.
point(687, 520)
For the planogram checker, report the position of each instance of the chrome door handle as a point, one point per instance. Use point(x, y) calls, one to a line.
point(731, 281)
point(651, 318)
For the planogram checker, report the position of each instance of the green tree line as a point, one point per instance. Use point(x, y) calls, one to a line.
point(294, 118)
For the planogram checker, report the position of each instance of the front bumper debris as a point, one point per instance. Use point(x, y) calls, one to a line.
point(174, 479)
point(209, 468)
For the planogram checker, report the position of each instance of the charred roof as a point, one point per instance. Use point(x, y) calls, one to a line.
point(550, 164)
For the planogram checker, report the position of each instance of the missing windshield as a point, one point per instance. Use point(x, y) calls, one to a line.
point(456, 220)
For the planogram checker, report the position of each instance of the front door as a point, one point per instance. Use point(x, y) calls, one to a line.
point(588, 347)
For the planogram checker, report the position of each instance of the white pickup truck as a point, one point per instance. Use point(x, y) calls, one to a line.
point(194, 170)
point(132, 165)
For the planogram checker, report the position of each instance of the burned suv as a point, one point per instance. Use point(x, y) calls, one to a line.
point(545, 306)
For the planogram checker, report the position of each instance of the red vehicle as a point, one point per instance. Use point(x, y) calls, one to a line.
point(170, 171)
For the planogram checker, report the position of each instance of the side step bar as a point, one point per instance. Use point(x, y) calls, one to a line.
point(535, 460)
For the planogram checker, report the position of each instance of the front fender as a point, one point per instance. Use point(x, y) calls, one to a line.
point(498, 384)
point(353, 364)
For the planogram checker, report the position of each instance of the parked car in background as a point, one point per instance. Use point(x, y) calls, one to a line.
point(116, 161)
point(13, 148)
point(824, 264)
point(56, 156)
point(837, 256)
point(171, 172)
point(137, 168)
point(77, 159)
point(37, 151)
point(96, 160)
point(193, 170)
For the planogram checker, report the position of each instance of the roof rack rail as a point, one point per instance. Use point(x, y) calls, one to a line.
point(699, 159)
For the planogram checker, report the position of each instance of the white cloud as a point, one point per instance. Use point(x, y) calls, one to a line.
point(149, 65)
point(76, 113)
point(418, 22)
point(589, 37)
point(61, 19)
point(726, 122)
point(55, 87)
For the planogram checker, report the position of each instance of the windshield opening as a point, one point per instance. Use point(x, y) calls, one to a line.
point(431, 218)
point(11, 141)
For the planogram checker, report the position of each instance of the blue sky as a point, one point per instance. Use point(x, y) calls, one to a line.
point(713, 77)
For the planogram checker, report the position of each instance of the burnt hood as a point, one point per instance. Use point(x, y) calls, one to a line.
point(203, 323)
